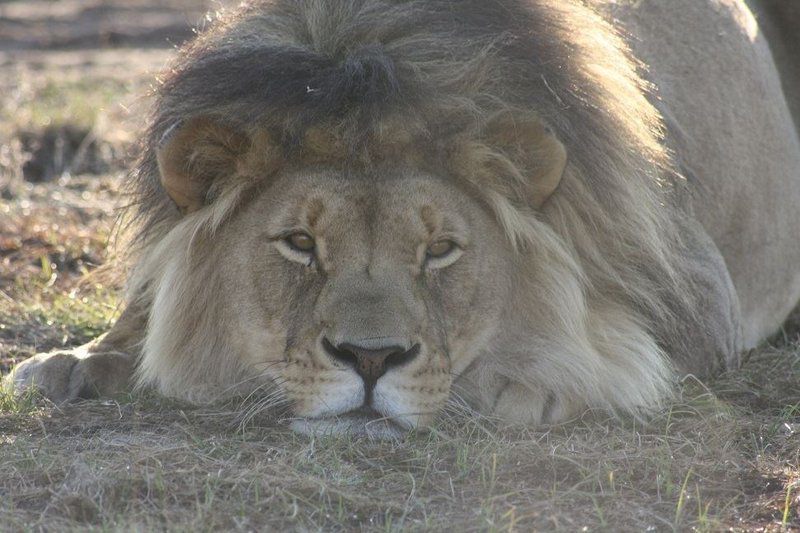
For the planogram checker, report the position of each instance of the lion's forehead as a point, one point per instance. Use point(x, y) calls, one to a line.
point(378, 208)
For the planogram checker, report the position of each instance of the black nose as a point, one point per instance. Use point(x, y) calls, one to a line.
point(370, 363)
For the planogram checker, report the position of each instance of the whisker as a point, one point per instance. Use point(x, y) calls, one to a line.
point(269, 363)
point(272, 403)
point(272, 382)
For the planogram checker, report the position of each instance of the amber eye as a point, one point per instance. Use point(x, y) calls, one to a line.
point(440, 249)
point(302, 242)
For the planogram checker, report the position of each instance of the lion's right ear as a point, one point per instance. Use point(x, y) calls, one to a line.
point(534, 150)
point(194, 155)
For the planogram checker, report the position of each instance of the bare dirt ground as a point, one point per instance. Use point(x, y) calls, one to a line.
point(75, 75)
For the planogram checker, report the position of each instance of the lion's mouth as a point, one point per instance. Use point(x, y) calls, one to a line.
point(363, 421)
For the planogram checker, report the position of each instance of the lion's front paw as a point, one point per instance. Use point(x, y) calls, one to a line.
point(56, 375)
point(69, 375)
point(517, 404)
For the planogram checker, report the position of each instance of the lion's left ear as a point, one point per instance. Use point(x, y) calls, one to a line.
point(194, 156)
point(535, 152)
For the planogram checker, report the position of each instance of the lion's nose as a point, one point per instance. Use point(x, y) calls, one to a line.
point(368, 360)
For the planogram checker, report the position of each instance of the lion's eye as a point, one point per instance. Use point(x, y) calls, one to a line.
point(301, 242)
point(440, 249)
point(299, 247)
point(441, 254)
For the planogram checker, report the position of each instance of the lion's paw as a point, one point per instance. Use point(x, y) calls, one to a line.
point(57, 376)
point(517, 404)
point(70, 375)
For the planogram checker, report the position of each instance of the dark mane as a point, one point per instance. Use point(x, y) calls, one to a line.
point(370, 72)
point(442, 65)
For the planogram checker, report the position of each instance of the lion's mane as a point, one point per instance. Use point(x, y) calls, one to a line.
point(359, 81)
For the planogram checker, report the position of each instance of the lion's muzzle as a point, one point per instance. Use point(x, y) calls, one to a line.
point(371, 358)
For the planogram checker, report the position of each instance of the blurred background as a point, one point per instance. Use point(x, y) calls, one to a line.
point(75, 76)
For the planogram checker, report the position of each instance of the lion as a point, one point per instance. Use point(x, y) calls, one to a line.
point(369, 212)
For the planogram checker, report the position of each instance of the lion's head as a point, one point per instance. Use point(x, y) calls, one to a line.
point(361, 290)
point(366, 209)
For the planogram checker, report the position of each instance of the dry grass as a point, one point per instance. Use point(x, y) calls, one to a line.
point(725, 456)
point(720, 460)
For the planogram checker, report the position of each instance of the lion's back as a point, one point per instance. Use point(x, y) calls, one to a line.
point(734, 138)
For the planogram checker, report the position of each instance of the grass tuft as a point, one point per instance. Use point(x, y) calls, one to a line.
point(19, 403)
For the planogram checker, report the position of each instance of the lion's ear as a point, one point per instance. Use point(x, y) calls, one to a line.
point(535, 152)
point(194, 155)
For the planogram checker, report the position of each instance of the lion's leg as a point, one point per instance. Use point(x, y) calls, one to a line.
point(711, 340)
point(100, 368)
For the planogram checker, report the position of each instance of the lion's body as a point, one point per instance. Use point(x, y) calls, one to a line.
point(598, 240)
point(734, 138)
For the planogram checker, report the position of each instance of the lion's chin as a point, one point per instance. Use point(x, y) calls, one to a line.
point(356, 423)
